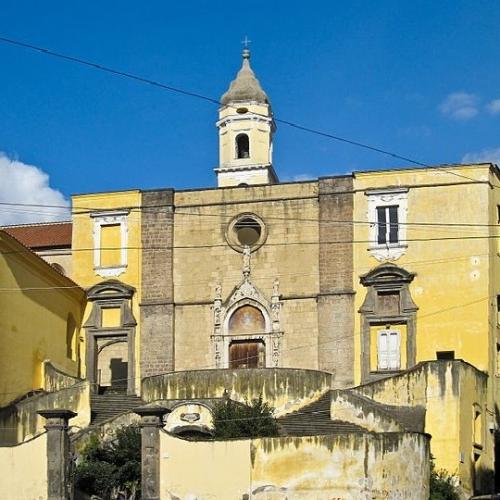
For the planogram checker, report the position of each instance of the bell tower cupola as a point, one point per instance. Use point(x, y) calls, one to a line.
point(246, 127)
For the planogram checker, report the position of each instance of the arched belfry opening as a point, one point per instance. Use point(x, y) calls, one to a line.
point(242, 146)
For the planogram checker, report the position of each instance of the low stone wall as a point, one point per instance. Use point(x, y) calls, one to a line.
point(24, 470)
point(349, 466)
point(20, 421)
point(55, 379)
point(286, 389)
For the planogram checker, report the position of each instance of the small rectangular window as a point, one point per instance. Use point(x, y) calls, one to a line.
point(445, 355)
point(387, 225)
point(388, 351)
point(498, 214)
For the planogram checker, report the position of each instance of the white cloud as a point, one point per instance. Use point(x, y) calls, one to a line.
point(486, 155)
point(297, 178)
point(460, 106)
point(494, 107)
point(27, 184)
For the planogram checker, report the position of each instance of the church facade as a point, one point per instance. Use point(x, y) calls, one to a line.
point(381, 279)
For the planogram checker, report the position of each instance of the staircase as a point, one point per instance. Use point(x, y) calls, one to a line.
point(111, 404)
point(314, 419)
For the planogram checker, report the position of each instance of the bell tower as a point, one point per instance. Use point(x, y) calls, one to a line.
point(246, 127)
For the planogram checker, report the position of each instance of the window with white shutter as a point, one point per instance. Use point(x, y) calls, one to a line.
point(388, 350)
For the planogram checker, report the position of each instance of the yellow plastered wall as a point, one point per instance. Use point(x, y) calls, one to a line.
point(110, 317)
point(36, 307)
point(84, 272)
point(451, 216)
point(203, 259)
point(451, 287)
point(110, 243)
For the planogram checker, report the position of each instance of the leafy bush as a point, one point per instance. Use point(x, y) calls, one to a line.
point(112, 469)
point(235, 420)
point(442, 485)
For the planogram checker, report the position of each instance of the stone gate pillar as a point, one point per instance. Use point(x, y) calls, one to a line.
point(151, 423)
point(59, 486)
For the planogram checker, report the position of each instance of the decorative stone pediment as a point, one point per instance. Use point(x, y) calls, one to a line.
point(246, 290)
point(387, 274)
point(110, 289)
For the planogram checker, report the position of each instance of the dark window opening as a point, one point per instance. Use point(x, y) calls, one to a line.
point(242, 146)
point(445, 355)
point(498, 214)
point(498, 309)
point(387, 225)
point(248, 231)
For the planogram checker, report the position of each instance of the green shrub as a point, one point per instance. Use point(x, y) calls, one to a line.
point(235, 420)
point(111, 468)
point(442, 485)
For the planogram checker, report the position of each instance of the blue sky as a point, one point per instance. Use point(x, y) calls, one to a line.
point(419, 78)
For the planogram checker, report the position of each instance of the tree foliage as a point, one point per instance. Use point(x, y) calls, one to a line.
point(442, 485)
point(112, 469)
point(235, 420)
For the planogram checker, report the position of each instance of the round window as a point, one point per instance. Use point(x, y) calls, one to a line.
point(246, 230)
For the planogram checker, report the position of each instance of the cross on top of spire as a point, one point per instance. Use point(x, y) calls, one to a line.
point(246, 51)
point(246, 42)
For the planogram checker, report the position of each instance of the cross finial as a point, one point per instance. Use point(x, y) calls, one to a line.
point(246, 50)
point(246, 42)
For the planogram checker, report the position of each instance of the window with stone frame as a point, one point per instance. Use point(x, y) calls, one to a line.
point(388, 303)
point(387, 215)
point(110, 233)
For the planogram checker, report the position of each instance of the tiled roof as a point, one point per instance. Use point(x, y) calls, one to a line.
point(43, 235)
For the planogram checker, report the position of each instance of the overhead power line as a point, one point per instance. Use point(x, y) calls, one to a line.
point(178, 90)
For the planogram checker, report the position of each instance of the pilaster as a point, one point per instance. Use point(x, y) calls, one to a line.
point(59, 485)
point(150, 424)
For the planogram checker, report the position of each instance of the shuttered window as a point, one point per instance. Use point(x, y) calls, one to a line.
point(387, 225)
point(388, 350)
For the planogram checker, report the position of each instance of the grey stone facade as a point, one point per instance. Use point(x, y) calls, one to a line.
point(157, 322)
point(336, 297)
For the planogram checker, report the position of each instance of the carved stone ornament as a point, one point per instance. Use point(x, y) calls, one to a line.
point(246, 293)
point(190, 417)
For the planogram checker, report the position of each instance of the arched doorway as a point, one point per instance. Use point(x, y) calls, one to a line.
point(247, 353)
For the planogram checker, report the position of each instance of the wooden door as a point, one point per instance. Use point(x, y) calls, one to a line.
point(247, 354)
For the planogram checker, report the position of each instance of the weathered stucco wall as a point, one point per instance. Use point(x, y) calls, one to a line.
point(21, 420)
point(449, 390)
point(284, 388)
point(347, 407)
point(350, 466)
point(55, 379)
point(24, 470)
